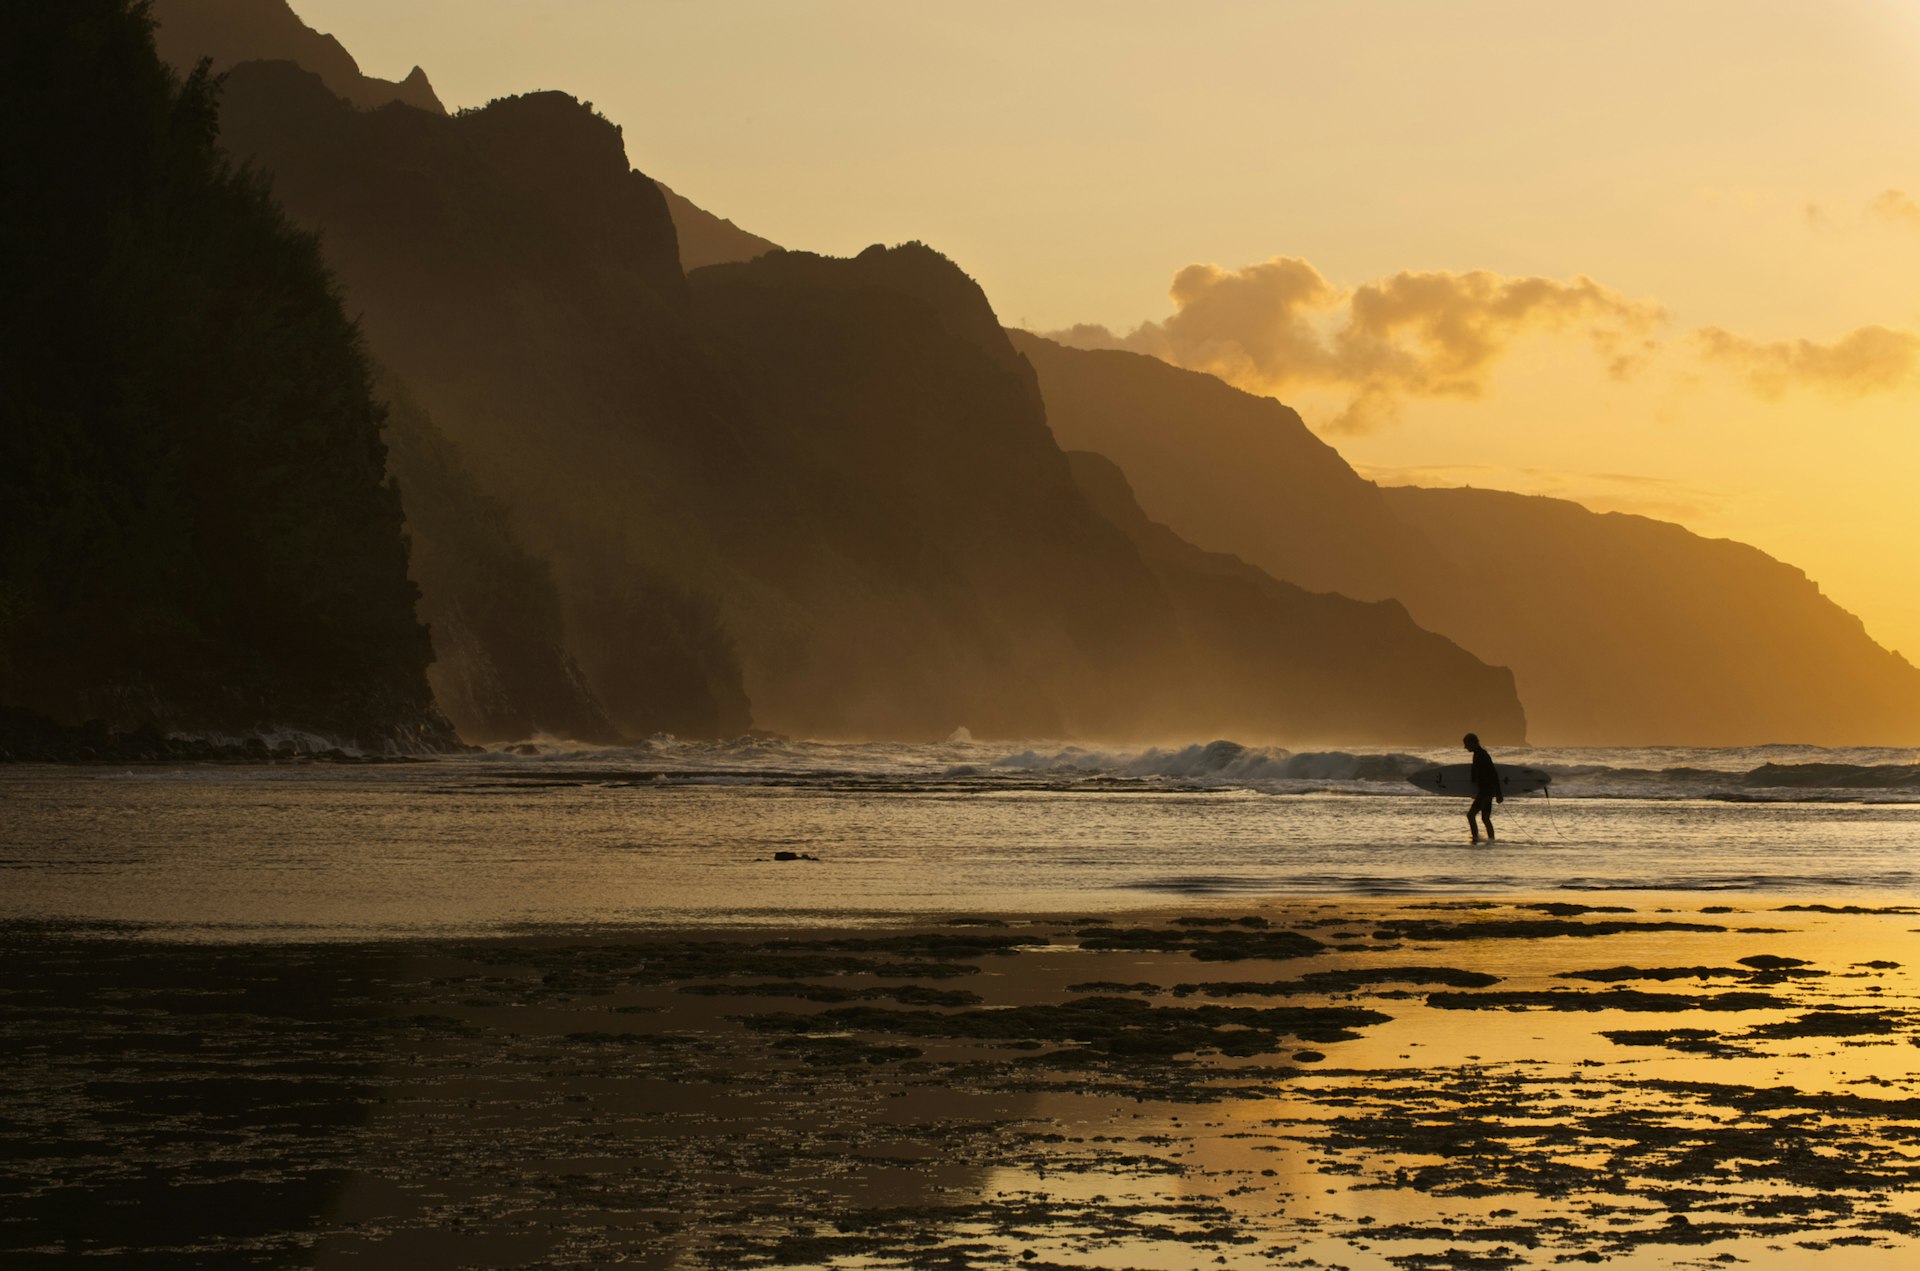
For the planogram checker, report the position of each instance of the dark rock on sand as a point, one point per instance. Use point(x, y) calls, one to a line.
point(1694, 1041)
point(1772, 962)
point(1206, 944)
point(1611, 1000)
point(1110, 1025)
point(1422, 929)
point(1830, 1023)
point(1342, 981)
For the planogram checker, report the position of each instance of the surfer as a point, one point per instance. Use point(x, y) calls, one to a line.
point(1486, 788)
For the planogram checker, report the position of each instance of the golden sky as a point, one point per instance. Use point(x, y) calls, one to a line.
point(1653, 256)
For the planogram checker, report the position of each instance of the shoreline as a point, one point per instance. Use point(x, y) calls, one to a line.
point(28, 738)
point(1331, 1081)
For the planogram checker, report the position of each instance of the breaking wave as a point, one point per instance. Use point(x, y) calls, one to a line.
point(1750, 774)
point(1223, 762)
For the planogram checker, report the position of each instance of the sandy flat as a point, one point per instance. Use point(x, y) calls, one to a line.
point(1339, 1084)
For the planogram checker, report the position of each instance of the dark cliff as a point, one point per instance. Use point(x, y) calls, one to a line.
point(1625, 630)
point(1327, 667)
point(521, 281)
point(825, 487)
point(199, 532)
point(943, 567)
point(1286, 500)
point(1619, 629)
point(954, 565)
point(502, 668)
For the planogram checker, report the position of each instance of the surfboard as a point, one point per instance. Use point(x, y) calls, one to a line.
point(1457, 778)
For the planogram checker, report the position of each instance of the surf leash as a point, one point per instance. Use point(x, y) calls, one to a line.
point(1546, 792)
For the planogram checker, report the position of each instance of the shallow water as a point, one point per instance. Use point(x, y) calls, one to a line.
point(323, 1051)
point(669, 833)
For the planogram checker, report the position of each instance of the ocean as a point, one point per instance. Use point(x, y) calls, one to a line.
point(670, 834)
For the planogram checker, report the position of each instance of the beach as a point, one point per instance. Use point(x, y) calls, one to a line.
point(1328, 1083)
point(801, 1006)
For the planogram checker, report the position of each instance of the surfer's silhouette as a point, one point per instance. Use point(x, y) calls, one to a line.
point(1486, 788)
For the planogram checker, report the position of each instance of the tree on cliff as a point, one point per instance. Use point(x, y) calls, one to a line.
point(196, 529)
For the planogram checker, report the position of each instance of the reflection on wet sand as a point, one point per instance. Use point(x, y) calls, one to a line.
point(1341, 1084)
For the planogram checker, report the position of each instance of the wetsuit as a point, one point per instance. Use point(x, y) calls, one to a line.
point(1486, 788)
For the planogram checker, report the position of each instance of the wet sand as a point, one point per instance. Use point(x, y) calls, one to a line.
point(1443, 1084)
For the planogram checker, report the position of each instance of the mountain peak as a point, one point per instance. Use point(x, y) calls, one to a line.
point(228, 32)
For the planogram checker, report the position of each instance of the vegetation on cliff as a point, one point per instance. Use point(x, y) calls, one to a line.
point(196, 526)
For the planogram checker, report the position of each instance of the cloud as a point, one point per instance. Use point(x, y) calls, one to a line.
point(1280, 324)
point(1897, 207)
point(1894, 208)
point(1871, 359)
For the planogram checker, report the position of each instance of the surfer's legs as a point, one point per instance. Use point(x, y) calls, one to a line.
point(1482, 807)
